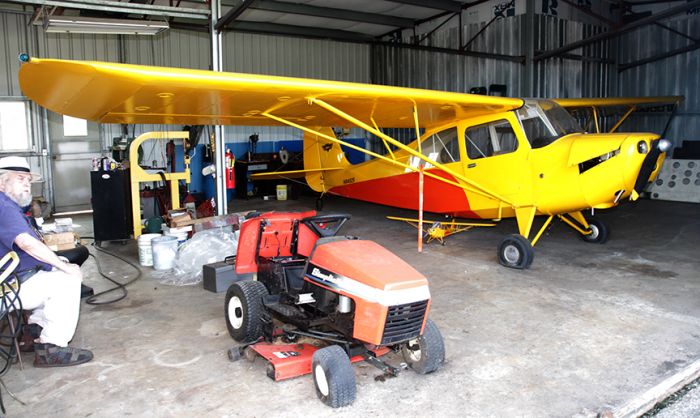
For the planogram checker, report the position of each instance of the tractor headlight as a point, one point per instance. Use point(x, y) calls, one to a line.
point(642, 147)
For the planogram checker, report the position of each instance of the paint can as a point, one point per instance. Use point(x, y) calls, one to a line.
point(145, 250)
point(180, 236)
point(164, 252)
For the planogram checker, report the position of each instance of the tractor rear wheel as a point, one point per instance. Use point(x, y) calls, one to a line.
point(333, 376)
point(244, 309)
point(426, 353)
point(515, 252)
point(599, 232)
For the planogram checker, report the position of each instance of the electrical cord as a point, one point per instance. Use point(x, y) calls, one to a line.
point(93, 300)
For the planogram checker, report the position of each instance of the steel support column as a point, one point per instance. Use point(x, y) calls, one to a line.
point(220, 155)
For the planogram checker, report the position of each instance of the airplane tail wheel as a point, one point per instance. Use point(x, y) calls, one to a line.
point(515, 252)
point(319, 204)
point(599, 232)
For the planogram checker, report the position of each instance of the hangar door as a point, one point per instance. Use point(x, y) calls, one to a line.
point(73, 146)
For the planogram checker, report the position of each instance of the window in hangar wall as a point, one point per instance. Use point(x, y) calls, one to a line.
point(14, 126)
point(74, 126)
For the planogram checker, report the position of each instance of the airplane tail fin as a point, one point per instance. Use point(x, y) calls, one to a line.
point(322, 154)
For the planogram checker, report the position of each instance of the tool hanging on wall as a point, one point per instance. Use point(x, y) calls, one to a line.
point(170, 155)
point(230, 173)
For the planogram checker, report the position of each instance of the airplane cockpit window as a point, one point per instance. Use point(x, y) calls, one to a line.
point(545, 121)
point(442, 146)
point(490, 139)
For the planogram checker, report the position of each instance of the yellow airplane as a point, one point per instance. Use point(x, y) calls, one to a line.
point(479, 157)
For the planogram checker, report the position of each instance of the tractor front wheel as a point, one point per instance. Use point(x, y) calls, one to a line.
point(333, 376)
point(244, 309)
point(515, 252)
point(426, 353)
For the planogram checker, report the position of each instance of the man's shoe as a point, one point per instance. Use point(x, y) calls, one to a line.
point(26, 338)
point(50, 355)
point(86, 291)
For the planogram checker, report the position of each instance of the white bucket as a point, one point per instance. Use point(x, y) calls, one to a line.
point(164, 252)
point(281, 192)
point(145, 251)
point(180, 236)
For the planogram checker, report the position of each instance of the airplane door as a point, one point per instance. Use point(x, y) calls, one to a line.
point(496, 155)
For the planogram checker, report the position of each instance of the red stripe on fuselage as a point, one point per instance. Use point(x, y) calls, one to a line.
point(402, 191)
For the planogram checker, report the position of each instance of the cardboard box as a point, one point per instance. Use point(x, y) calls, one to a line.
point(60, 241)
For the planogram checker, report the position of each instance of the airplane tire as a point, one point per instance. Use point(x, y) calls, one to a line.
point(426, 353)
point(319, 204)
point(334, 378)
point(515, 252)
point(244, 309)
point(600, 232)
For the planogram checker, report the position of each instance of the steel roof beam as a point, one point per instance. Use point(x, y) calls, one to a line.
point(233, 13)
point(446, 5)
point(677, 32)
point(616, 32)
point(658, 57)
point(332, 13)
point(122, 7)
point(303, 31)
point(513, 58)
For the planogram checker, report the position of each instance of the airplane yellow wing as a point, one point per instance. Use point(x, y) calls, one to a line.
point(617, 101)
point(124, 93)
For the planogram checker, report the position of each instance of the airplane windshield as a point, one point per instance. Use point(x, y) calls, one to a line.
point(545, 121)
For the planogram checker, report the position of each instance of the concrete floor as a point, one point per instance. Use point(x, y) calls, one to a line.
point(586, 329)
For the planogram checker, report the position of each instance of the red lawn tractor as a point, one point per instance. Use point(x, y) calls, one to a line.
point(352, 299)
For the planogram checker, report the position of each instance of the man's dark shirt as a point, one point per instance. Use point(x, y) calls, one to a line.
point(13, 223)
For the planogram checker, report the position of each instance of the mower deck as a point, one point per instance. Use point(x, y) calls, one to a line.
point(287, 361)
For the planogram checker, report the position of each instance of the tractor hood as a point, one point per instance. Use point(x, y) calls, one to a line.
point(353, 263)
point(585, 147)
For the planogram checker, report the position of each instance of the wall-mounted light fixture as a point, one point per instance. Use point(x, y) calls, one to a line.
point(78, 24)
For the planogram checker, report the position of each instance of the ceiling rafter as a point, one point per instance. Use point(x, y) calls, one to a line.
point(332, 13)
point(619, 31)
point(446, 5)
point(238, 8)
point(304, 31)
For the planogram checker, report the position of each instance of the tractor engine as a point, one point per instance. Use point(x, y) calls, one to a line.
point(388, 299)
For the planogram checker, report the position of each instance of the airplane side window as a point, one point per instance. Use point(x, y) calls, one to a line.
point(490, 139)
point(506, 140)
point(478, 141)
point(537, 132)
point(443, 145)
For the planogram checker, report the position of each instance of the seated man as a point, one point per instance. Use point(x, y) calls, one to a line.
point(50, 287)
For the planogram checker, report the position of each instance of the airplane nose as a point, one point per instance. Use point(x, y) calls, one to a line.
point(650, 164)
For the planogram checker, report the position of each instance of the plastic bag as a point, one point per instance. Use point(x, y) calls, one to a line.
point(204, 247)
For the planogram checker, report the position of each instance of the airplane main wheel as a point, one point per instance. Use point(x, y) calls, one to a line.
point(599, 232)
point(426, 353)
point(515, 252)
point(333, 376)
point(244, 309)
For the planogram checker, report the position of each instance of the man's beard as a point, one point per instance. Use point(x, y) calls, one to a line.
point(22, 198)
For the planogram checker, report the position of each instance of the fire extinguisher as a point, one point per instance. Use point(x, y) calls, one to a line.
point(230, 174)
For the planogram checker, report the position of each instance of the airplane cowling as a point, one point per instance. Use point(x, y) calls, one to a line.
point(585, 147)
point(606, 182)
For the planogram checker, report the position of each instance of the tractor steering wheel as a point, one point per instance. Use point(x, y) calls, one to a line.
point(326, 225)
